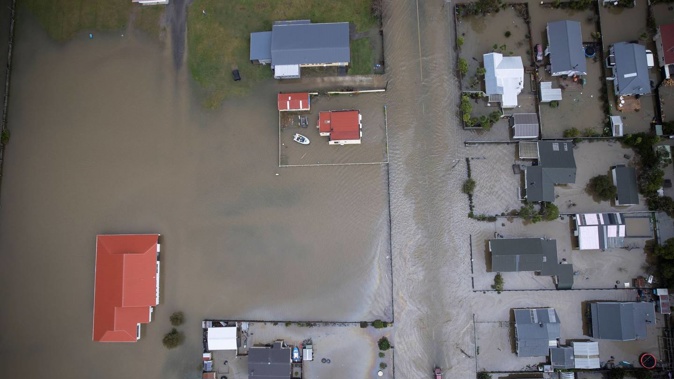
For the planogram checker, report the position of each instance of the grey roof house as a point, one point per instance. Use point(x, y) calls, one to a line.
point(536, 331)
point(630, 69)
point(530, 254)
point(269, 362)
point(294, 44)
point(621, 321)
point(556, 165)
point(625, 180)
point(565, 47)
point(525, 125)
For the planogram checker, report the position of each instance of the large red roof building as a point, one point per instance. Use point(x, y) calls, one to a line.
point(294, 102)
point(343, 127)
point(126, 285)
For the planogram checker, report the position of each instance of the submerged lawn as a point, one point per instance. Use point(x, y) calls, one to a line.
point(220, 39)
point(62, 19)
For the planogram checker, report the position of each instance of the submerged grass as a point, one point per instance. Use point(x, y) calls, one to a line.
point(218, 37)
point(148, 19)
point(62, 19)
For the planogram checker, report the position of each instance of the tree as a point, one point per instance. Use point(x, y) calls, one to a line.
point(468, 186)
point(665, 251)
point(602, 187)
point(549, 211)
point(481, 71)
point(483, 375)
point(498, 283)
point(363, 324)
point(4, 137)
point(384, 344)
point(177, 318)
point(173, 339)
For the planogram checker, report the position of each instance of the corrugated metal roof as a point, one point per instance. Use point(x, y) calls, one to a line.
point(525, 125)
point(528, 150)
point(260, 47)
point(307, 43)
point(561, 357)
point(625, 180)
point(566, 48)
point(621, 321)
point(549, 94)
point(269, 362)
point(125, 287)
point(586, 355)
point(631, 69)
point(536, 330)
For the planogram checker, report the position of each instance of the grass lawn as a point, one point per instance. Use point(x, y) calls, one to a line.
point(148, 19)
point(361, 57)
point(220, 39)
point(62, 19)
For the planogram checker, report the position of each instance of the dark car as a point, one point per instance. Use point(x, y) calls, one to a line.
point(236, 75)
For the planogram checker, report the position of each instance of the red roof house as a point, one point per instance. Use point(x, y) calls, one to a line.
point(664, 42)
point(294, 102)
point(343, 127)
point(126, 285)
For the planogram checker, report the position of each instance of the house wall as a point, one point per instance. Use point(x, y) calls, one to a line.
point(325, 64)
point(151, 2)
point(345, 142)
point(660, 50)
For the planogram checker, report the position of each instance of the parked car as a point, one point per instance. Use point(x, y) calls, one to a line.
point(236, 75)
point(539, 52)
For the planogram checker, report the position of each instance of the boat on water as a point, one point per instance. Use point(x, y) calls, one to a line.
point(301, 139)
point(438, 373)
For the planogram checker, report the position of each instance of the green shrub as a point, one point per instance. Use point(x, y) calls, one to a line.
point(507, 34)
point(468, 186)
point(459, 42)
point(379, 324)
point(4, 137)
point(481, 71)
point(363, 324)
point(177, 318)
point(549, 211)
point(463, 67)
point(381, 355)
point(572, 133)
point(498, 283)
point(382, 365)
point(483, 375)
point(554, 104)
point(384, 344)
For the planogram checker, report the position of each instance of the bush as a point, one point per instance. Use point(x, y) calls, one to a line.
point(363, 324)
point(177, 318)
point(554, 104)
point(4, 137)
point(379, 324)
point(481, 71)
point(572, 133)
point(507, 34)
point(463, 67)
point(483, 375)
point(381, 355)
point(172, 339)
point(382, 365)
point(466, 108)
point(498, 283)
point(384, 344)
point(602, 187)
point(468, 186)
point(459, 42)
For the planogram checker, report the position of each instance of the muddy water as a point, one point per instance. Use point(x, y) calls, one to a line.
point(106, 138)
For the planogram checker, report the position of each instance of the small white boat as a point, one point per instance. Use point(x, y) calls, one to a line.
point(301, 139)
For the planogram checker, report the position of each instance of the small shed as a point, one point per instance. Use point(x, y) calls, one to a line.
point(586, 355)
point(222, 338)
point(308, 353)
point(528, 150)
point(617, 126)
point(525, 125)
point(549, 94)
point(561, 357)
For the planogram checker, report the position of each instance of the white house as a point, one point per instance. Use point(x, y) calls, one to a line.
point(504, 78)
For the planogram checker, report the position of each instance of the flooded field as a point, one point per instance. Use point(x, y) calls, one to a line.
point(108, 138)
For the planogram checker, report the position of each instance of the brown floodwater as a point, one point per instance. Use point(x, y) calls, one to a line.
point(107, 137)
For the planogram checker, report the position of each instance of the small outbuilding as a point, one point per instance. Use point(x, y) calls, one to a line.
point(586, 355)
point(222, 338)
point(295, 102)
point(561, 358)
point(617, 126)
point(549, 94)
point(524, 125)
point(600, 231)
point(625, 180)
